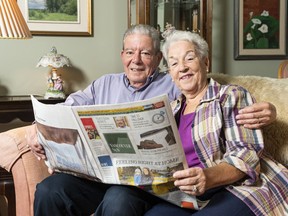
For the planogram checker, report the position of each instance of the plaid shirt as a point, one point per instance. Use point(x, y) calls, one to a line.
point(218, 138)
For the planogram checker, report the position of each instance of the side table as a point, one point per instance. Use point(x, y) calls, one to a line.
point(13, 107)
point(7, 190)
point(20, 106)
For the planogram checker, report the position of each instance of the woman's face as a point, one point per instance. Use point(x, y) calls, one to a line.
point(139, 58)
point(188, 71)
point(145, 171)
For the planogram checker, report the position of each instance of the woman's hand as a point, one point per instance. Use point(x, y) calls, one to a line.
point(33, 144)
point(196, 180)
point(257, 115)
point(191, 181)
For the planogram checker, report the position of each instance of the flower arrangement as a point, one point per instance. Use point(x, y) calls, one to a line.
point(261, 32)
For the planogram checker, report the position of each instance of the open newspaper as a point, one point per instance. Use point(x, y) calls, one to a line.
point(130, 143)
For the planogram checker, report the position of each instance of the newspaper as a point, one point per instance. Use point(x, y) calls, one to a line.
point(133, 143)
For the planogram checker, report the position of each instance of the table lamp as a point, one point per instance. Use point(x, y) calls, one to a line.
point(12, 23)
point(55, 82)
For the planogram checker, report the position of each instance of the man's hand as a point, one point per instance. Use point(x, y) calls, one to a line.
point(35, 147)
point(32, 142)
point(257, 115)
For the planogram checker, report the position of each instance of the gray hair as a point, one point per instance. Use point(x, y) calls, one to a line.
point(201, 46)
point(144, 30)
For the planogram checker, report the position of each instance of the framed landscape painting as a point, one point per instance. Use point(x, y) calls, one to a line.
point(65, 17)
point(260, 29)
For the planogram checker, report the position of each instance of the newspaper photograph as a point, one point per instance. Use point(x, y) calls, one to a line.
point(130, 143)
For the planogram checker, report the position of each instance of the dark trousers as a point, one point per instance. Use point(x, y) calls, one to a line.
point(222, 203)
point(63, 194)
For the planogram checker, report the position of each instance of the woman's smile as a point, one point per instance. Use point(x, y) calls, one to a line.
point(185, 77)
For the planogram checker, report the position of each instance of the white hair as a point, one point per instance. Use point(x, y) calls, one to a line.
point(200, 45)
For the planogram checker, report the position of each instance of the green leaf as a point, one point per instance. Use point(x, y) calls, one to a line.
point(262, 43)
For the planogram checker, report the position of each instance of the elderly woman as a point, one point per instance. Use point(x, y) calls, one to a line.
point(228, 166)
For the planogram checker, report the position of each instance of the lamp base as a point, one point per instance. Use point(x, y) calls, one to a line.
point(54, 94)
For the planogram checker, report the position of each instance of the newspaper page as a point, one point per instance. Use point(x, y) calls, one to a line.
point(130, 143)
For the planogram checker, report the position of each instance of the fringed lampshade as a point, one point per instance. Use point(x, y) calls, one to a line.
point(12, 23)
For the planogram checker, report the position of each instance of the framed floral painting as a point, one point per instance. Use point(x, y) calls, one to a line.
point(260, 29)
point(65, 17)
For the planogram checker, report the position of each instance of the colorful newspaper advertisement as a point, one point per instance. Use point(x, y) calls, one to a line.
point(129, 143)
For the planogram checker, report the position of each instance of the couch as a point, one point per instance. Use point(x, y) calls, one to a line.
point(27, 171)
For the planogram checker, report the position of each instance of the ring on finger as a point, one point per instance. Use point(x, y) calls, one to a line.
point(194, 188)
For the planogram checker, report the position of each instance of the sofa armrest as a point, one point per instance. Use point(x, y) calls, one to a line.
point(13, 145)
point(27, 171)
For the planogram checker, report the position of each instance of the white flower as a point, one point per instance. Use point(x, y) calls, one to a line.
point(249, 37)
point(256, 21)
point(265, 13)
point(263, 28)
point(251, 14)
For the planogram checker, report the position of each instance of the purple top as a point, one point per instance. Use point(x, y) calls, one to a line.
point(115, 88)
point(187, 139)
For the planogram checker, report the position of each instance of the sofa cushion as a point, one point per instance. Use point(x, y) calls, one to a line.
point(13, 145)
point(270, 90)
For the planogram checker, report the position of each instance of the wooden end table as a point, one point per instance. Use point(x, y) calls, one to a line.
point(20, 106)
point(7, 190)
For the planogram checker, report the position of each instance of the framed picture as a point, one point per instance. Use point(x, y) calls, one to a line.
point(260, 29)
point(68, 17)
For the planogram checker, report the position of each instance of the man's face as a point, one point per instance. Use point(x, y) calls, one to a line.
point(120, 122)
point(139, 58)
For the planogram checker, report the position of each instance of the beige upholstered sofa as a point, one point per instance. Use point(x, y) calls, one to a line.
point(27, 171)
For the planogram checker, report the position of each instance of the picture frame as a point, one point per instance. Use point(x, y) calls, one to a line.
point(78, 24)
point(260, 29)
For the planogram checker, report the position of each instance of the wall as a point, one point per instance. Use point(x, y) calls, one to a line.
point(90, 56)
point(99, 54)
point(223, 44)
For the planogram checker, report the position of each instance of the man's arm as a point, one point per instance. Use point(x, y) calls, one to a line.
point(257, 115)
